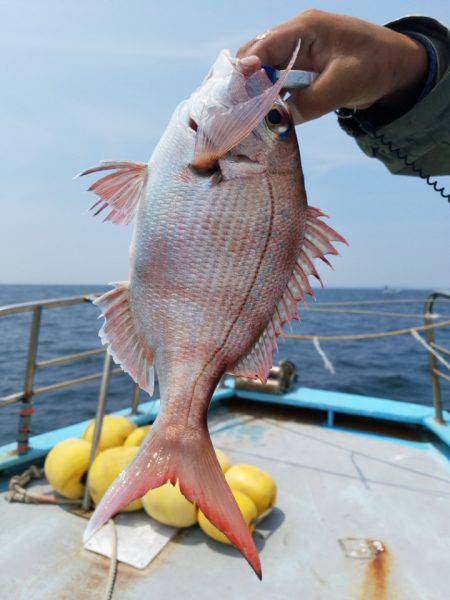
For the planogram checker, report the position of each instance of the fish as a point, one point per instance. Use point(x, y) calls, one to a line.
point(223, 245)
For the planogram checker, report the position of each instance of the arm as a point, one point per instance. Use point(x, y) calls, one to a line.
point(418, 125)
point(382, 72)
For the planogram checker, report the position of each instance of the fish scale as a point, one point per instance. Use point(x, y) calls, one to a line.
point(222, 249)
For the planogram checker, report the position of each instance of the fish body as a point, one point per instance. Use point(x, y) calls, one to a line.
point(210, 261)
point(222, 248)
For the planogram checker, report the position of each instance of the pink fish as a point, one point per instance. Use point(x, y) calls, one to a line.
point(223, 245)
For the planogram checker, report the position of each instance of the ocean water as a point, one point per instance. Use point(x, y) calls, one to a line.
point(393, 367)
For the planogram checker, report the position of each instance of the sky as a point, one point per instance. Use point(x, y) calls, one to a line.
point(83, 81)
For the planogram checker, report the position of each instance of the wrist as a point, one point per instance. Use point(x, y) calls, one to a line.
point(409, 74)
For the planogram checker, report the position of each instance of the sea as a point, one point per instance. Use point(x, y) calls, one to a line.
point(391, 367)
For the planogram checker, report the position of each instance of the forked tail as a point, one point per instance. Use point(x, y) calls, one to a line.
point(174, 452)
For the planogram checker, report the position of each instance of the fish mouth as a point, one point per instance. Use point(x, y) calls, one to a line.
point(205, 168)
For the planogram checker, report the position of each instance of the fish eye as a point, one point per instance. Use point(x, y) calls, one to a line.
point(278, 119)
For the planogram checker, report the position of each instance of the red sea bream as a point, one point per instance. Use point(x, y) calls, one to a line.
point(224, 242)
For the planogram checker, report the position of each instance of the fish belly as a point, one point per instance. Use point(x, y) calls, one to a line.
point(211, 264)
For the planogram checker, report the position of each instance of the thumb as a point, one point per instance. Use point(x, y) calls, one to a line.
point(331, 90)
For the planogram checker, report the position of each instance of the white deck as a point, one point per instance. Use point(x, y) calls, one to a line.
point(333, 485)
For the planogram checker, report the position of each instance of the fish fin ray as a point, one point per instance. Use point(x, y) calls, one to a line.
point(120, 190)
point(171, 454)
point(257, 362)
point(221, 128)
point(120, 336)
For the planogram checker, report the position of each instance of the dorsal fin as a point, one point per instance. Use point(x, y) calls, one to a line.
point(120, 335)
point(316, 243)
point(121, 190)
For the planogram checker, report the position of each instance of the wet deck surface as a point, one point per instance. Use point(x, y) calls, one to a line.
point(333, 486)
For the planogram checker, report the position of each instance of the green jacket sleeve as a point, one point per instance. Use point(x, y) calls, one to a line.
point(422, 133)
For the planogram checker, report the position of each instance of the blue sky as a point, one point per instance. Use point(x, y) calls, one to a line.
point(84, 81)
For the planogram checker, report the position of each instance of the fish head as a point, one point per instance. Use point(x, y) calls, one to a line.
point(238, 116)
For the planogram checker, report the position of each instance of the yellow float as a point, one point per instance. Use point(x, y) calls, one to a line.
point(137, 436)
point(105, 468)
point(254, 482)
point(167, 505)
point(65, 465)
point(115, 430)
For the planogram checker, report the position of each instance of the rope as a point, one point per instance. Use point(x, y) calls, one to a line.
point(356, 311)
point(441, 374)
point(367, 336)
point(326, 361)
point(440, 349)
point(361, 302)
point(112, 564)
point(434, 352)
point(18, 493)
point(17, 489)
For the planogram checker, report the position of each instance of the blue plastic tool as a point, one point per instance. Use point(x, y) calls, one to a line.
point(294, 80)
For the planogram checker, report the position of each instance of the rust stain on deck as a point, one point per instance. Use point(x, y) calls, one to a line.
point(376, 576)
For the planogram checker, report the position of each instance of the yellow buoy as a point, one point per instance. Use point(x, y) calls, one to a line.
point(115, 430)
point(247, 508)
point(167, 505)
point(254, 482)
point(65, 465)
point(137, 436)
point(105, 468)
point(223, 459)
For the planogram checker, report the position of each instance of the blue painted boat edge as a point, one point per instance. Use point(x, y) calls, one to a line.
point(352, 404)
point(328, 401)
point(43, 443)
point(441, 430)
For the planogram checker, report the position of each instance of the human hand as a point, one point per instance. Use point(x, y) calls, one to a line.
point(358, 63)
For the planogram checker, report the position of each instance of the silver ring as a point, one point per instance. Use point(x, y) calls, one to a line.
point(341, 115)
point(262, 36)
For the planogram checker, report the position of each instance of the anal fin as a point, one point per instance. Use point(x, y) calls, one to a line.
point(120, 336)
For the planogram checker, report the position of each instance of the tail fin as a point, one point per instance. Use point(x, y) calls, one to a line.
point(171, 453)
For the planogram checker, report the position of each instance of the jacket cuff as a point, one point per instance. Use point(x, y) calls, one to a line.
point(423, 128)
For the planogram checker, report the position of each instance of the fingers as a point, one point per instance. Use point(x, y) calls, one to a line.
point(248, 65)
point(275, 46)
point(331, 90)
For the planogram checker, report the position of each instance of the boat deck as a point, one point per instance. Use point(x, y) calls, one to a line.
point(341, 493)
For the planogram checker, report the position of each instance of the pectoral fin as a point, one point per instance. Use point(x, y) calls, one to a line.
point(120, 191)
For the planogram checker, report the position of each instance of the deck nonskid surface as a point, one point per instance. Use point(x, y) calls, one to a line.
point(332, 485)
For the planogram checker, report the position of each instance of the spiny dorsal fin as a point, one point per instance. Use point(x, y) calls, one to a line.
point(121, 190)
point(120, 336)
point(317, 242)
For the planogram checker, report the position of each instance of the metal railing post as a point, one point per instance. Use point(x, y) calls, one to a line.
point(428, 317)
point(135, 400)
point(27, 409)
point(102, 395)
